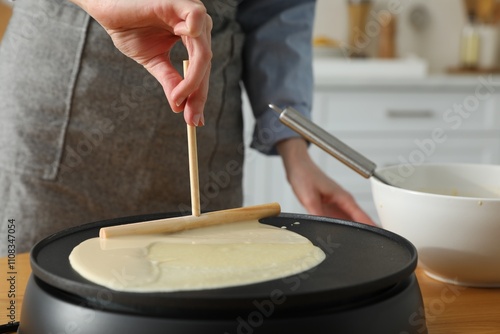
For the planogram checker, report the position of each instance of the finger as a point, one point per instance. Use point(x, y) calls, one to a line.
point(337, 202)
point(311, 200)
point(169, 78)
point(200, 55)
point(354, 211)
point(194, 80)
point(194, 85)
point(195, 104)
point(193, 90)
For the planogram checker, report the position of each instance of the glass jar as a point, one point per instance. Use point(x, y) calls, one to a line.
point(470, 45)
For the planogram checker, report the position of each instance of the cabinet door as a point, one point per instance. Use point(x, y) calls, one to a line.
point(392, 111)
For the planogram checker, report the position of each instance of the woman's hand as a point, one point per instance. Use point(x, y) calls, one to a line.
point(319, 194)
point(146, 32)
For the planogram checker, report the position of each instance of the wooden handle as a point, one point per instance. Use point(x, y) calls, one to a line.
point(193, 171)
point(176, 224)
point(193, 162)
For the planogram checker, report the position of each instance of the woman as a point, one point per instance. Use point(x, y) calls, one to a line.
point(86, 132)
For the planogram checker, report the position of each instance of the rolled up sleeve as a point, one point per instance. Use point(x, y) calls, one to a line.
point(277, 60)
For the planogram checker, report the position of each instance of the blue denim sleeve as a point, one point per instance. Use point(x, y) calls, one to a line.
point(277, 69)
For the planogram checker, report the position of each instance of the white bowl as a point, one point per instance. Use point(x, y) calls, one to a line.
point(451, 213)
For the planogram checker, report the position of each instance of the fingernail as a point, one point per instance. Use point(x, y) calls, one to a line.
point(199, 120)
point(179, 102)
point(196, 119)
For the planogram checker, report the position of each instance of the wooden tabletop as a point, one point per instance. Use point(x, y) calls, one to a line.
point(449, 309)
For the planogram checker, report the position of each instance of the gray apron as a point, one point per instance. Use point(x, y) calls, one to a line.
point(86, 134)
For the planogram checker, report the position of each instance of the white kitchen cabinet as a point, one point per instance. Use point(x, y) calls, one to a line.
point(391, 121)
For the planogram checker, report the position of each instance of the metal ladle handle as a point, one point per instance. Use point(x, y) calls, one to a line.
point(327, 142)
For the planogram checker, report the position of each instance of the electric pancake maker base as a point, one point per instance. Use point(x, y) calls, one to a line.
point(366, 284)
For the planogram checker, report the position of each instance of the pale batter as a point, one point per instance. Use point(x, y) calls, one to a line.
point(206, 258)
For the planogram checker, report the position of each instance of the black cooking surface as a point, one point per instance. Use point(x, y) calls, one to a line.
point(362, 262)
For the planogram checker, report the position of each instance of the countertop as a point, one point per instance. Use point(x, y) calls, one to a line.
point(449, 309)
point(401, 75)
